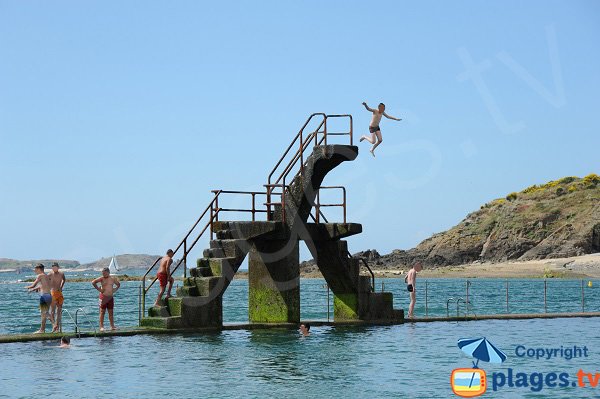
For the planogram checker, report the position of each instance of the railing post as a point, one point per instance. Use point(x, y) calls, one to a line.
point(382, 285)
point(467, 301)
point(301, 150)
point(140, 305)
point(545, 289)
point(507, 311)
point(426, 305)
point(582, 298)
point(144, 296)
point(325, 131)
point(253, 206)
point(318, 205)
point(351, 132)
point(344, 196)
point(185, 258)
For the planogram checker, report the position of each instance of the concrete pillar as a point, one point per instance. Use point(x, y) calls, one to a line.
point(274, 281)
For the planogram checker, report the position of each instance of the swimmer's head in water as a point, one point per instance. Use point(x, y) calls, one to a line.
point(305, 328)
point(65, 341)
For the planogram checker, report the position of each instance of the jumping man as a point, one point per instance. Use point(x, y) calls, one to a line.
point(374, 129)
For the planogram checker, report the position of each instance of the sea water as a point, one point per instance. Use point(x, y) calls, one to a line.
point(413, 360)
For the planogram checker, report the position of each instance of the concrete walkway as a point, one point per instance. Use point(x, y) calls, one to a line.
point(129, 331)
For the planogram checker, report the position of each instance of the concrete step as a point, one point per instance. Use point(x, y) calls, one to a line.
point(398, 314)
point(158, 311)
point(203, 285)
point(174, 305)
point(364, 283)
point(214, 253)
point(162, 322)
point(200, 271)
point(233, 248)
point(224, 234)
point(224, 266)
point(187, 290)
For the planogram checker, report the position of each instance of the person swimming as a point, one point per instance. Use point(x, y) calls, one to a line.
point(65, 342)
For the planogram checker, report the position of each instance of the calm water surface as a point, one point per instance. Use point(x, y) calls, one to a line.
point(411, 360)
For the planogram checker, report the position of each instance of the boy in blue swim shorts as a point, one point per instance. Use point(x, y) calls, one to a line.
point(42, 285)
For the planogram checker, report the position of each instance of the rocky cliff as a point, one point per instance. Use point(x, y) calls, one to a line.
point(558, 219)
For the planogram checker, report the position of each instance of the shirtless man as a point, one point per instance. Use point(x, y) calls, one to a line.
point(374, 129)
point(57, 282)
point(42, 285)
point(411, 281)
point(108, 287)
point(164, 275)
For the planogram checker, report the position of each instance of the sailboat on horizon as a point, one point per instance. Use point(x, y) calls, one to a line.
point(113, 266)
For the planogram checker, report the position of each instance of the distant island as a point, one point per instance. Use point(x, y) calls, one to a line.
point(126, 261)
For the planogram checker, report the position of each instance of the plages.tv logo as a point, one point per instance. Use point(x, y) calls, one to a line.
point(471, 382)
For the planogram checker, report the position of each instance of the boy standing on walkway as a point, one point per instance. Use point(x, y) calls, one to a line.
point(43, 281)
point(57, 282)
point(411, 281)
point(108, 287)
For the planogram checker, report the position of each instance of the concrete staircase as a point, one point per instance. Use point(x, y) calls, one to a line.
point(199, 302)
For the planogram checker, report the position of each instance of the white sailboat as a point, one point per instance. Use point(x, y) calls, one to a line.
point(113, 266)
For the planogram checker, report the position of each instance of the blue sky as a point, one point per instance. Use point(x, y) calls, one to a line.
point(118, 118)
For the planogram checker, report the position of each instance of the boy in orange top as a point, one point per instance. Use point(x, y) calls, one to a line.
point(57, 282)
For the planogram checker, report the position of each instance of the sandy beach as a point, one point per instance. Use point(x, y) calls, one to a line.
point(573, 267)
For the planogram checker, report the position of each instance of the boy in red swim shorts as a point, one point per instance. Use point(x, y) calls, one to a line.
point(108, 287)
point(164, 276)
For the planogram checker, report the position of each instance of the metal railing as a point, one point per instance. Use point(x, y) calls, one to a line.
point(302, 141)
point(496, 296)
point(319, 205)
point(75, 320)
point(366, 264)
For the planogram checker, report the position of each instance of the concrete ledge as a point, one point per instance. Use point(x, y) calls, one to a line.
point(332, 231)
point(11, 338)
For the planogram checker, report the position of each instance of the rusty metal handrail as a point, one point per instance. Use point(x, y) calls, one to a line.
point(299, 155)
point(318, 204)
point(363, 260)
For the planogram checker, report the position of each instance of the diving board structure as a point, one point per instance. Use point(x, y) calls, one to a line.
point(292, 211)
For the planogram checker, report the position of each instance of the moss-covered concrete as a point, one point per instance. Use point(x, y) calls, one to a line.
point(345, 307)
point(268, 306)
point(274, 281)
point(174, 305)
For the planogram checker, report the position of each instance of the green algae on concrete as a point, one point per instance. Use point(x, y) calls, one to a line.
point(345, 307)
point(270, 306)
point(174, 305)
